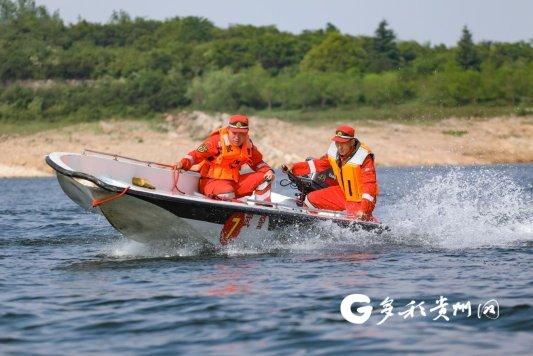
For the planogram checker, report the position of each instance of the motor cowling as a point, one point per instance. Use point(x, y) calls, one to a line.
point(308, 183)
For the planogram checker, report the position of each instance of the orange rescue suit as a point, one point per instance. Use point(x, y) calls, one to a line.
point(230, 160)
point(220, 165)
point(355, 187)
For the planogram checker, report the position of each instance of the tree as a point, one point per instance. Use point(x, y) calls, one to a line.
point(214, 91)
point(235, 53)
point(331, 28)
point(384, 88)
point(119, 17)
point(276, 51)
point(453, 87)
point(387, 55)
point(337, 53)
point(8, 10)
point(467, 56)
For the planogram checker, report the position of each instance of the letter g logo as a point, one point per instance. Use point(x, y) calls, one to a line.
point(346, 308)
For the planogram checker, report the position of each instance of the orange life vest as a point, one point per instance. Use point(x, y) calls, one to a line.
point(230, 159)
point(349, 174)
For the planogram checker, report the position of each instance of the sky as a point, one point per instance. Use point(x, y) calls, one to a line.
point(434, 21)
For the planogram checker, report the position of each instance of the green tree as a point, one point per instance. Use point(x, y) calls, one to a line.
point(214, 90)
point(235, 53)
point(335, 89)
point(384, 88)
point(136, 66)
point(467, 56)
point(268, 90)
point(411, 50)
point(337, 53)
point(277, 51)
point(331, 28)
point(453, 87)
point(387, 55)
point(515, 81)
point(154, 91)
point(8, 11)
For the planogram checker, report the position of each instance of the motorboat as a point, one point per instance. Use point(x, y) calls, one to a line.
point(153, 203)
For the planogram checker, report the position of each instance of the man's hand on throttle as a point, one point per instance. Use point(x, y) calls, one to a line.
point(287, 167)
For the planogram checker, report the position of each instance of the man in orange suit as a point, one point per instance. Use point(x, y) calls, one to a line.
point(352, 163)
point(222, 156)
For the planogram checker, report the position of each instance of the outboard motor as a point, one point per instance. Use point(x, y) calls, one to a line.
point(309, 183)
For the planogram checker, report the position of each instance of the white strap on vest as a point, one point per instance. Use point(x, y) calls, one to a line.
point(226, 140)
point(312, 167)
point(332, 150)
point(358, 158)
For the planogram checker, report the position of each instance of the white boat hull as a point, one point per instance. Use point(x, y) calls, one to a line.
point(187, 218)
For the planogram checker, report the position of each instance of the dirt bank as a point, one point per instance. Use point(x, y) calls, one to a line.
point(451, 141)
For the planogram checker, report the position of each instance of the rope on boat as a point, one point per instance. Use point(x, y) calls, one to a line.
point(98, 202)
point(116, 157)
point(172, 167)
point(175, 179)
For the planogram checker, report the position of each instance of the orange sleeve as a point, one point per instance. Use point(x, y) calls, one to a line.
point(370, 185)
point(208, 148)
point(257, 163)
point(311, 166)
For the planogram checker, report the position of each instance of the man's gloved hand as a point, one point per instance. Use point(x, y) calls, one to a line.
point(287, 167)
point(270, 176)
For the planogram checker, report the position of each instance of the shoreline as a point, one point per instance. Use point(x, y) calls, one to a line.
point(449, 142)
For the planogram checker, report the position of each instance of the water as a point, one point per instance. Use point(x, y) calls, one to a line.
point(69, 283)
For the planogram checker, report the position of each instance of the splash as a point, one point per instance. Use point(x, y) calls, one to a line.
point(463, 209)
point(323, 237)
point(125, 248)
point(455, 209)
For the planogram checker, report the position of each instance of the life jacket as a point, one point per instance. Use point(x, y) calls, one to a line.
point(230, 159)
point(349, 176)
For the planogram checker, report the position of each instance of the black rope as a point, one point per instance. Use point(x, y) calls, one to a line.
point(287, 182)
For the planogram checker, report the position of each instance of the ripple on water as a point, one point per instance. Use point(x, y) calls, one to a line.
point(69, 284)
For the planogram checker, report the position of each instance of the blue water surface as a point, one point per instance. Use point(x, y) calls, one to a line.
point(71, 284)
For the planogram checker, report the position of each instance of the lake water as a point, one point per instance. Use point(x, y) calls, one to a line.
point(71, 284)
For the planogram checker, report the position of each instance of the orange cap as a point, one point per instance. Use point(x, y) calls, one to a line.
point(238, 123)
point(344, 133)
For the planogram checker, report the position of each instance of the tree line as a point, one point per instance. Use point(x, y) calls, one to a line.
point(51, 70)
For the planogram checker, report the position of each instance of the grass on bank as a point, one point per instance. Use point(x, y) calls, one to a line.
point(408, 113)
point(35, 126)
